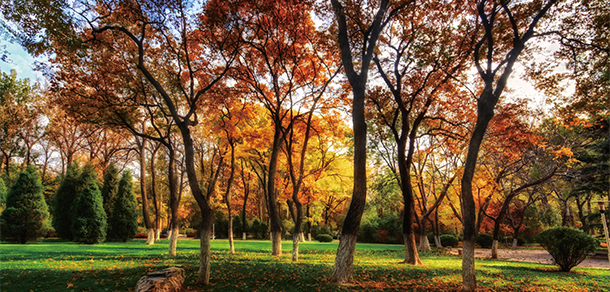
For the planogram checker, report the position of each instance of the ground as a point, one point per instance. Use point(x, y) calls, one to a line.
point(537, 256)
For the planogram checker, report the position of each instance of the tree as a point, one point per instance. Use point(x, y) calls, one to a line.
point(506, 27)
point(90, 221)
point(65, 197)
point(418, 60)
point(123, 224)
point(109, 189)
point(19, 114)
point(26, 211)
point(365, 34)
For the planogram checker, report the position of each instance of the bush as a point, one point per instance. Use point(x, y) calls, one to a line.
point(449, 240)
point(123, 224)
point(26, 211)
point(485, 240)
point(568, 246)
point(259, 229)
point(324, 238)
point(89, 222)
point(378, 230)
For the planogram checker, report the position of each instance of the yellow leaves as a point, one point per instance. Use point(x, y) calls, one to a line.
point(563, 152)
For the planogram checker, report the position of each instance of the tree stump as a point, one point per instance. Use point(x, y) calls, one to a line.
point(168, 280)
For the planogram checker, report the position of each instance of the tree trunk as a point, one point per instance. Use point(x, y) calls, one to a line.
point(342, 270)
point(494, 249)
point(424, 243)
point(485, 112)
point(274, 219)
point(153, 178)
point(231, 245)
point(515, 243)
point(174, 202)
point(203, 277)
point(150, 238)
point(173, 240)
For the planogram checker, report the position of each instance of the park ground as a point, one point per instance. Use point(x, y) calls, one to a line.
point(51, 265)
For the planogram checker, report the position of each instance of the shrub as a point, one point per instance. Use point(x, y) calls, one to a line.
point(449, 240)
point(485, 240)
point(89, 223)
point(325, 230)
point(26, 210)
point(324, 238)
point(568, 246)
point(123, 224)
point(238, 228)
point(259, 229)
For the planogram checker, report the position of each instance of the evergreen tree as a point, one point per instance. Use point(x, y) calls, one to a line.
point(26, 210)
point(3, 193)
point(124, 220)
point(65, 196)
point(89, 223)
point(110, 188)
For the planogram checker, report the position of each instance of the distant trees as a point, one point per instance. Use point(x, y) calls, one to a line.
point(26, 213)
point(123, 223)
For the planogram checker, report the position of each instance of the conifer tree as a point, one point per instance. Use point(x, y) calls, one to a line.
point(124, 220)
point(26, 210)
point(89, 222)
point(65, 197)
point(110, 188)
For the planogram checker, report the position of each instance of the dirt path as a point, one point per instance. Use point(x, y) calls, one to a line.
point(537, 256)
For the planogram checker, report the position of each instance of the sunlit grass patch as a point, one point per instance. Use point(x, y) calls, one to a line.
point(65, 266)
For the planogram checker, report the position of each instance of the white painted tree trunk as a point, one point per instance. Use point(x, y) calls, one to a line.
point(469, 282)
point(204, 257)
point(494, 249)
point(173, 241)
point(150, 239)
point(295, 248)
point(424, 243)
point(437, 241)
point(515, 243)
point(243, 235)
point(158, 235)
point(308, 236)
point(342, 270)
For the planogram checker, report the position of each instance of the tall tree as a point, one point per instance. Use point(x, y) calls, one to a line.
point(90, 222)
point(418, 59)
point(26, 210)
point(506, 27)
point(123, 224)
point(359, 36)
point(65, 197)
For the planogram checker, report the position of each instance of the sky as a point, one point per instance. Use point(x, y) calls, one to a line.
point(14, 57)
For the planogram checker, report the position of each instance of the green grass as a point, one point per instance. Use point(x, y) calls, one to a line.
point(64, 266)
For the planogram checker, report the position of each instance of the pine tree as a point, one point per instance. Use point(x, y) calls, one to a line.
point(89, 223)
point(26, 210)
point(124, 220)
point(110, 188)
point(65, 196)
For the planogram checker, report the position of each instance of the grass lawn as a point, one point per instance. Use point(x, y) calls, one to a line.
point(63, 266)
